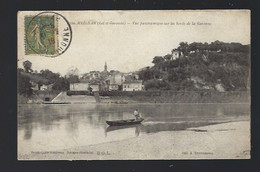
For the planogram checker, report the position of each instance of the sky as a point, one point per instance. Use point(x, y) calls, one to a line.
point(132, 46)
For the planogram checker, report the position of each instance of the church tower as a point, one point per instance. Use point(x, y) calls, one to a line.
point(105, 67)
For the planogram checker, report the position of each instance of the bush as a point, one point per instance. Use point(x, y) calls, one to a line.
point(156, 85)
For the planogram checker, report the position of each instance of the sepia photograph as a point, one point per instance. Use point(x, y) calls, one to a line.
point(133, 85)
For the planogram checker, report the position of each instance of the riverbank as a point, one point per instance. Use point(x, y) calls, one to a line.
point(122, 97)
point(220, 141)
point(181, 97)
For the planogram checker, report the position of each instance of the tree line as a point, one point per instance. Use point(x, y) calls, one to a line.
point(45, 77)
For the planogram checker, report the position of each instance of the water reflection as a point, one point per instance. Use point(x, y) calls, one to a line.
point(157, 127)
point(137, 128)
point(83, 124)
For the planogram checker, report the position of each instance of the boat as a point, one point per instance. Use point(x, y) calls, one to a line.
point(121, 102)
point(46, 102)
point(114, 128)
point(124, 122)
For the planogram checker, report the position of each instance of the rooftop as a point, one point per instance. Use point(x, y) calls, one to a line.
point(133, 82)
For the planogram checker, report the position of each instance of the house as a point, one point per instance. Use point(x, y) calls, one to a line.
point(176, 54)
point(79, 86)
point(113, 87)
point(95, 87)
point(136, 76)
point(35, 86)
point(135, 85)
point(94, 75)
point(219, 87)
point(46, 87)
point(128, 78)
point(117, 78)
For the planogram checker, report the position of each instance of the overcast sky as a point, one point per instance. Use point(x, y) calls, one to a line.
point(131, 47)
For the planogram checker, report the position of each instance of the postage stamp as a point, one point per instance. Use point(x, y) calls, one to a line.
point(48, 34)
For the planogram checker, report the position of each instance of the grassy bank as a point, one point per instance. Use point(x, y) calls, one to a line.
point(183, 97)
point(154, 97)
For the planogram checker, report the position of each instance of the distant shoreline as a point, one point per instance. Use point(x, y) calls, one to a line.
point(146, 97)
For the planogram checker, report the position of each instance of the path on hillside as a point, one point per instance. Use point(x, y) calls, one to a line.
point(63, 97)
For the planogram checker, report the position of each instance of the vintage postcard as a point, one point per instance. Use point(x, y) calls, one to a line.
point(133, 85)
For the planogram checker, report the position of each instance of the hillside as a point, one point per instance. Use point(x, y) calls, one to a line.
point(216, 66)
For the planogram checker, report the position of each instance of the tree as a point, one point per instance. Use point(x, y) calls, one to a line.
point(27, 66)
point(47, 74)
point(112, 71)
point(183, 47)
point(61, 84)
point(157, 60)
point(145, 74)
point(73, 75)
point(24, 85)
point(167, 57)
point(73, 78)
point(154, 84)
point(73, 71)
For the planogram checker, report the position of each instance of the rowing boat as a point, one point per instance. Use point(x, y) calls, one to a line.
point(124, 122)
point(46, 102)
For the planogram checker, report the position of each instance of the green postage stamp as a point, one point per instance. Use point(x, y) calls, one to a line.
point(41, 35)
point(47, 34)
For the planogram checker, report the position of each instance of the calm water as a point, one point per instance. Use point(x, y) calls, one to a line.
point(55, 127)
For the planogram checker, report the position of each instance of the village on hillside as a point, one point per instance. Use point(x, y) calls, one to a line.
point(108, 81)
point(105, 80)
point(192, 68)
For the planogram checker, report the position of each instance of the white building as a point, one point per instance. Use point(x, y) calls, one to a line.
point(46, 87)
point(95, 87)
point(117, 78)
point(79, 86)
point(135, 85)
point(82, 86)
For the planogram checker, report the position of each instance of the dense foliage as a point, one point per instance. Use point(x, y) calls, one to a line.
point(27, 76)
point(201, 66)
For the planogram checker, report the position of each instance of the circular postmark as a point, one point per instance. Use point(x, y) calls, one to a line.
point(48, 34)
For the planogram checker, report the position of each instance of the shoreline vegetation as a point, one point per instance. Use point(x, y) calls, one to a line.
point(219, 142)
point(145, 97)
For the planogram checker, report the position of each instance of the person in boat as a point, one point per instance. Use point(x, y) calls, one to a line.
point(136, 114)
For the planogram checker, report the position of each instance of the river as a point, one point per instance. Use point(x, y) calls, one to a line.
point(43, 127)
